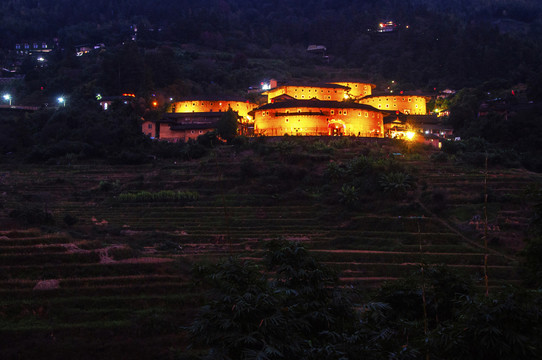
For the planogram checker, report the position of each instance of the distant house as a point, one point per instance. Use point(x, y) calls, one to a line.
point(81, 50)
point(316, 48)
point(176, 127)
point(31, 47)
point(106, 101)
point(498, 106)
point(386, 26)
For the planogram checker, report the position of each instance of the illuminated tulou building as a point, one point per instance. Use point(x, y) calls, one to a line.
point(241, 106)
point(330, 109)
point(405, 104)
point(189, 118)
point(317, 118)
point(337, 91)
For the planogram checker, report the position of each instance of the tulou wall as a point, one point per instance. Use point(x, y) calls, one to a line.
point(406, 104)
point(312, 120)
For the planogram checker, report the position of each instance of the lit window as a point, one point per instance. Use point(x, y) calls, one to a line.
point(344, 112)
point(366, 114)
point(302, 96)
point(191, 131)
point(267, 113)
point(332, 112)
point(380, 106)
point(340, 112)
point(286, 120)
point(359, 114)
point(329, 97)
point(409, 100)
point(201, 131)
point(387, 105)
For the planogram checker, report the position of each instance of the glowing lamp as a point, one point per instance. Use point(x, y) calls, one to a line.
point(410, 135)
point(154, 103)
point(7, 97)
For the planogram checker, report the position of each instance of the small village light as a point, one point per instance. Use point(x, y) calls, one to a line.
point(62, 101)
point(7, 97)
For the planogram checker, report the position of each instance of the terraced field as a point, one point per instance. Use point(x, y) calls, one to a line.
point(118, 272)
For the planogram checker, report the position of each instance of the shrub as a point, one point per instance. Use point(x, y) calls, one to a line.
point(130, 158)
point(108, 186)
point(396, 183)
point(439, 157)
point(248, 168)
point(70, 220)
point(32, 216)
point(349, 196)
point(334, 171)
point(164, 195)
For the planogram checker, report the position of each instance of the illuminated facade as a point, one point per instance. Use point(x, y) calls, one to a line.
point(357, 89)
point(333, 91)
point(406, 104)
point(318, 118)
point(324, 92)
point(241, 106)
point(331, 109)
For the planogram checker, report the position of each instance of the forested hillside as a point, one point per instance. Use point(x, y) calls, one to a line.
point(184, 48)
point(453, 43)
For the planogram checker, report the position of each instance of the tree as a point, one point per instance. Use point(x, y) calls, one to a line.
point(291, 316)
point(227, 125)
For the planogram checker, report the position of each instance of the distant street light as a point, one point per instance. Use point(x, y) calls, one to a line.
point(62, 101)
point(7, 97)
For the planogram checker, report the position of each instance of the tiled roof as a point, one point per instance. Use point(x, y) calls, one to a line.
point(211, 98)
point(314, 103)
point(318, 85)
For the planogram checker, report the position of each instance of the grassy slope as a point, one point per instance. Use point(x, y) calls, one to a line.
point(122, 272)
